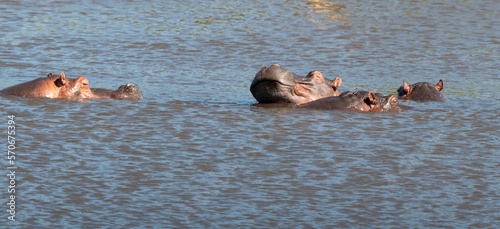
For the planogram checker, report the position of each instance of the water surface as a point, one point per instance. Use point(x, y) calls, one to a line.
point(196, 153)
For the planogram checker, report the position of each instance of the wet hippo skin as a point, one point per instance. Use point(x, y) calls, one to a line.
point(124, 92)
point(275, 84)
point(356, 101)
point(52, 86)
point(58, 86)
point(422, 91)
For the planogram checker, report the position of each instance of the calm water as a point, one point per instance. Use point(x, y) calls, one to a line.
point(195, 153)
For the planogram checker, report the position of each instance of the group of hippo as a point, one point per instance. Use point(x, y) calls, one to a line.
point(58, 86)
point(272, 85)
point(276, 85)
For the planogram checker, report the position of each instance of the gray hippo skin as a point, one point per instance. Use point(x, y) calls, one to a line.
point(52, 86)
point(124, 92)
point(422, 91)
point(356, 101)
point(277, 85)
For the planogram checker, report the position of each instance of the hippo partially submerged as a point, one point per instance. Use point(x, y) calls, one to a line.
point(356, 101)
point(275, 84)
point(124, 92)
point(422, 91)
point(52, 86)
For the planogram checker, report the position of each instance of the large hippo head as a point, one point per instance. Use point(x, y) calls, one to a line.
point(422, 91)
point(52, 86)
point(275, 84)
point(357, 101)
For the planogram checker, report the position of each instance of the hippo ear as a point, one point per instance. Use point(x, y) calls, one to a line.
point(406, 87)
point(439, 85)
point(49, 75)
point(371, 96)
point(337, 82)
point(371, 100)
point(61, 81)
point(63, 77)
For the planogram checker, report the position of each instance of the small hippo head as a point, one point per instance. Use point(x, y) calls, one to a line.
point(422, 91)
point(388, 103)
point(377, 102)
point(278, 85)
point(356, 101)
point(127, 92)
point(363, 101)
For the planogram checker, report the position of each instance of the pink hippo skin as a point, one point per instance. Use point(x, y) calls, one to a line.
point(52, 86)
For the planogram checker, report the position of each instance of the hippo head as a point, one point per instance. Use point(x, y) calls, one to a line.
point(127, 92)
point(422, 91)
point(377, 102)
point(356, 101)
point(388, 103)
point(72, 88)
point(369, 102)
point(278, 85)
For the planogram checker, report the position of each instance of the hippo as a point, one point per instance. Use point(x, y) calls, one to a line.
point(275, 84)
point(52, 86)
point(356, 101)
point(124, 92)
point(422, 91)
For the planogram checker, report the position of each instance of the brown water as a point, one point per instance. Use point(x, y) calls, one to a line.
point(195, 153)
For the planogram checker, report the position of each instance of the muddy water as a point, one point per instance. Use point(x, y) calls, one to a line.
point(195, 153)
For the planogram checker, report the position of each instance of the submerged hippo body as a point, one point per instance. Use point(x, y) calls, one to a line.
point(278, 85)
point(356, 101)
point(53, 86)
point(124, 92)
point(422, 91)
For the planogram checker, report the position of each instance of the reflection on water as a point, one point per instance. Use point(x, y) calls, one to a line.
point(328, 9)
point(196, 153)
